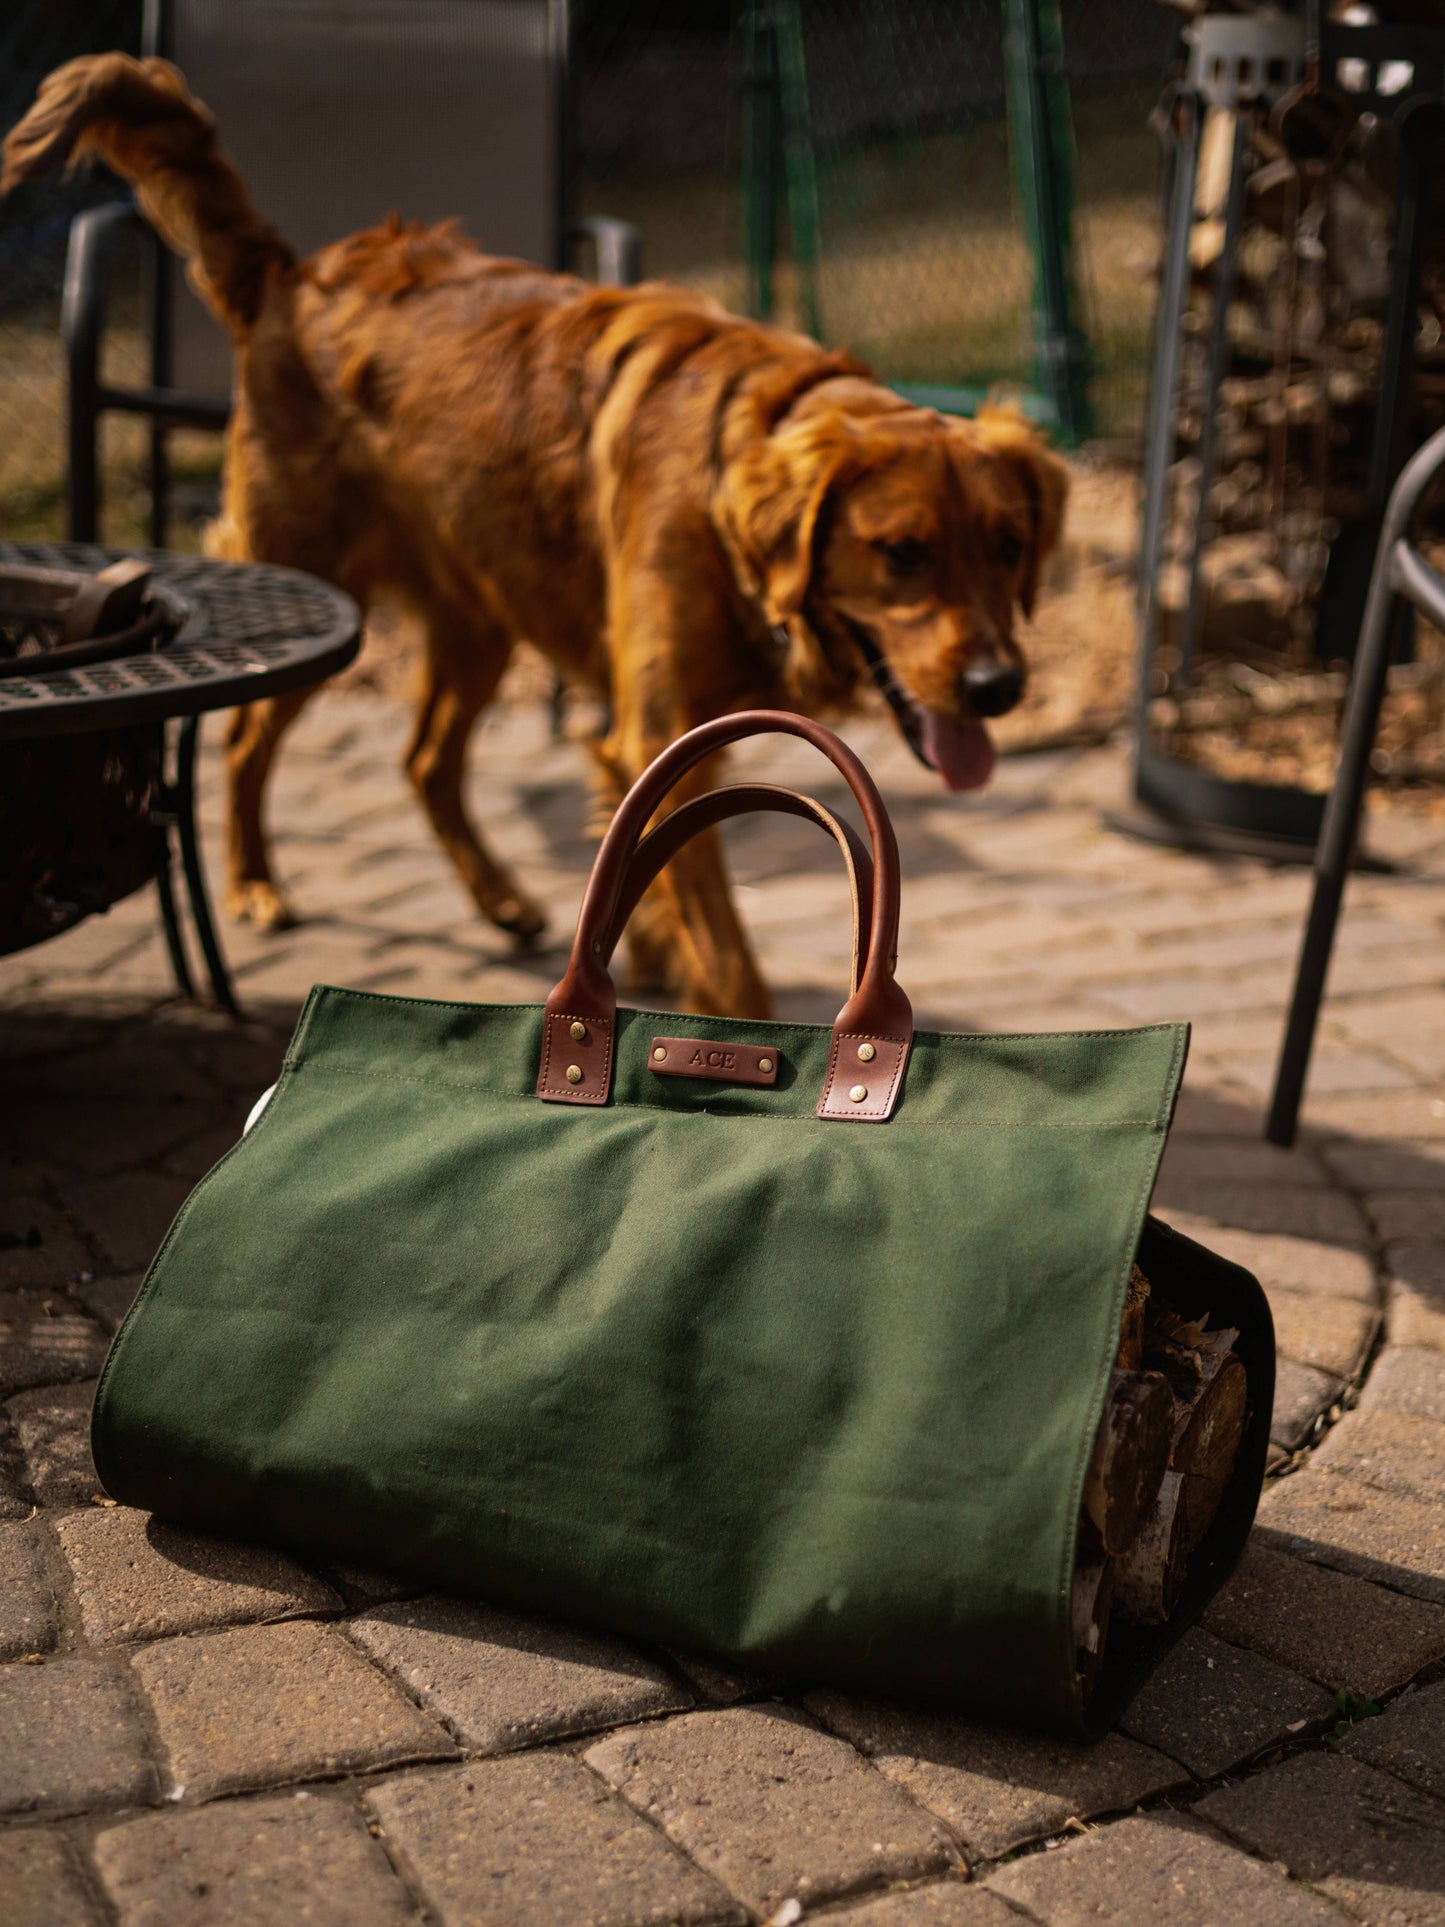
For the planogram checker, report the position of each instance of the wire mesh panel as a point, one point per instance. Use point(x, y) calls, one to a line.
point(880, 206)
point(34, 222)
point(853, 170)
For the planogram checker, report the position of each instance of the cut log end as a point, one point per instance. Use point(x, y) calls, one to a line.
point(1164, 1454)
point(1130, 1456)
point(1151, 1573)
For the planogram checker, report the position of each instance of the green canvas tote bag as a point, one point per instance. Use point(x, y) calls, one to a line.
point(782, 1343)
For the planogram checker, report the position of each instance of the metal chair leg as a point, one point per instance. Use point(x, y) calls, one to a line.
point(1334, 852)
point(185, 807)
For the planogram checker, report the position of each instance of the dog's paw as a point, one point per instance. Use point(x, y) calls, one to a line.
point(261, 904)
point(521, 919)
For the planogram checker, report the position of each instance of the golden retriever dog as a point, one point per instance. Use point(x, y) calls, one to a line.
point(686, 512)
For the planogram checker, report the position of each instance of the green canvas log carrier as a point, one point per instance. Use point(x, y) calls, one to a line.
point(764, 1340)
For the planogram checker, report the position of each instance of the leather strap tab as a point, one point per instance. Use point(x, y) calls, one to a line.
point(565, 1053)
point(864, 1075)
point(705, 1057)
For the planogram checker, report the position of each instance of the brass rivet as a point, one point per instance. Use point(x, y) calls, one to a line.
point(574, 1073)
point(658, 1055)
point(866, 1053)
point(858, 1093)
point(765, 1063)
point(597, 946)
point(577, 1033)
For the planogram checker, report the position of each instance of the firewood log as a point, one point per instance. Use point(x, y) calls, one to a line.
point(1148, 1577)
point(1092, 1596)
point(1130, 1456)
point(1205, 1450)
point(1130, 1355)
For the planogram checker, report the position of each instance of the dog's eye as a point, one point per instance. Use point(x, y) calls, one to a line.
point(1010, 550)
point(908, 557)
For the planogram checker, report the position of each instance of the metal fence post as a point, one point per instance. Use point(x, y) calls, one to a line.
point(1043, 143)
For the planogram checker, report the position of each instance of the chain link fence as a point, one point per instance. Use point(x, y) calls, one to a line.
point(844, 168)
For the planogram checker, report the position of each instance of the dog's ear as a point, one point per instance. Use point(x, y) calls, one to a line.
point(769, 507)
point(1043, 478)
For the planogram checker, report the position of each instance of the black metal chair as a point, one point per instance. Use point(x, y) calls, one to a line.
point(1401, 575)
point(337, 115)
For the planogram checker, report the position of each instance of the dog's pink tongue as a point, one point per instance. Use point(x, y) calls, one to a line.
point(961, 752)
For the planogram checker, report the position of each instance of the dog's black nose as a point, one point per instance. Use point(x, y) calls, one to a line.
point(992, 688)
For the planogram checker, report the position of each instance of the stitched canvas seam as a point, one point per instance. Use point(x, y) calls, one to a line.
point(757, 1117)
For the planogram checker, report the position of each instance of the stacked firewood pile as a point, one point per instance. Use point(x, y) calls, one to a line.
point(1294, 420)
point(1173, 1423)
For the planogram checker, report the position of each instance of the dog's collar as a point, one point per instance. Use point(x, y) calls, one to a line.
point(905, 713)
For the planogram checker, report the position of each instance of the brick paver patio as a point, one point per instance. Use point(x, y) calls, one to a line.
point(196, 1732)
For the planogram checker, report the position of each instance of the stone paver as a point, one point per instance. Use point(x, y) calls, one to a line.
point(44, 1338)
point(1160, 1869)
point(1390, 1537)
point(16, 1499)
point(994, 1788)
point(302, 1857)
point(1213, 1706)
point(261, 1705)
point(40, 1248)
point(537, 1841)
point(1283, 1263)
point(1408, 1739)
point(129, 1214)
point(41, 1881)
point(1333, 1628)
point(29, 1611)
point(52, 1426)
point(1328, 1334)
point(1300, 1396)
point(1407, 1379)
point(73, 1737)
point(138, 1578)
point(771, 1806)
point(1384, 1446)
point(943, 1903)
point(108, 1299)
point(501, 1681)
point(1364, 1838)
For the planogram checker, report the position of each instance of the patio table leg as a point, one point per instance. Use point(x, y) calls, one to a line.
point(185, 807)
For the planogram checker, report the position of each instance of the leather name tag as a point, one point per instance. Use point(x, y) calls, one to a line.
point(723, 1063)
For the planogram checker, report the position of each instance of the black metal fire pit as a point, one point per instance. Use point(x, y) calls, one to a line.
point(90, 788)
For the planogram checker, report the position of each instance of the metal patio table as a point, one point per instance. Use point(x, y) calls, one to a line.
point(248, 631)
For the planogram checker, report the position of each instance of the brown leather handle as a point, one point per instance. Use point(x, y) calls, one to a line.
point(662, 843)
point(874, 1030)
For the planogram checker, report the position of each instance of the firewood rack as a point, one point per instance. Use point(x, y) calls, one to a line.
point(1308, 80)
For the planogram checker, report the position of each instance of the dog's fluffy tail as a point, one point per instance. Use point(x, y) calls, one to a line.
point(140, 118)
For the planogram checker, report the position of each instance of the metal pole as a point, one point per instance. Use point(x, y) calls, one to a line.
point(1160, 441)
point(1043, 150)
point(799, 162)
point(1218, 355)
point(760, 150)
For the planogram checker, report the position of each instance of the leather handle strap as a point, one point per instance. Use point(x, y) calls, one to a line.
point(662, 843)
point(873, 1032)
